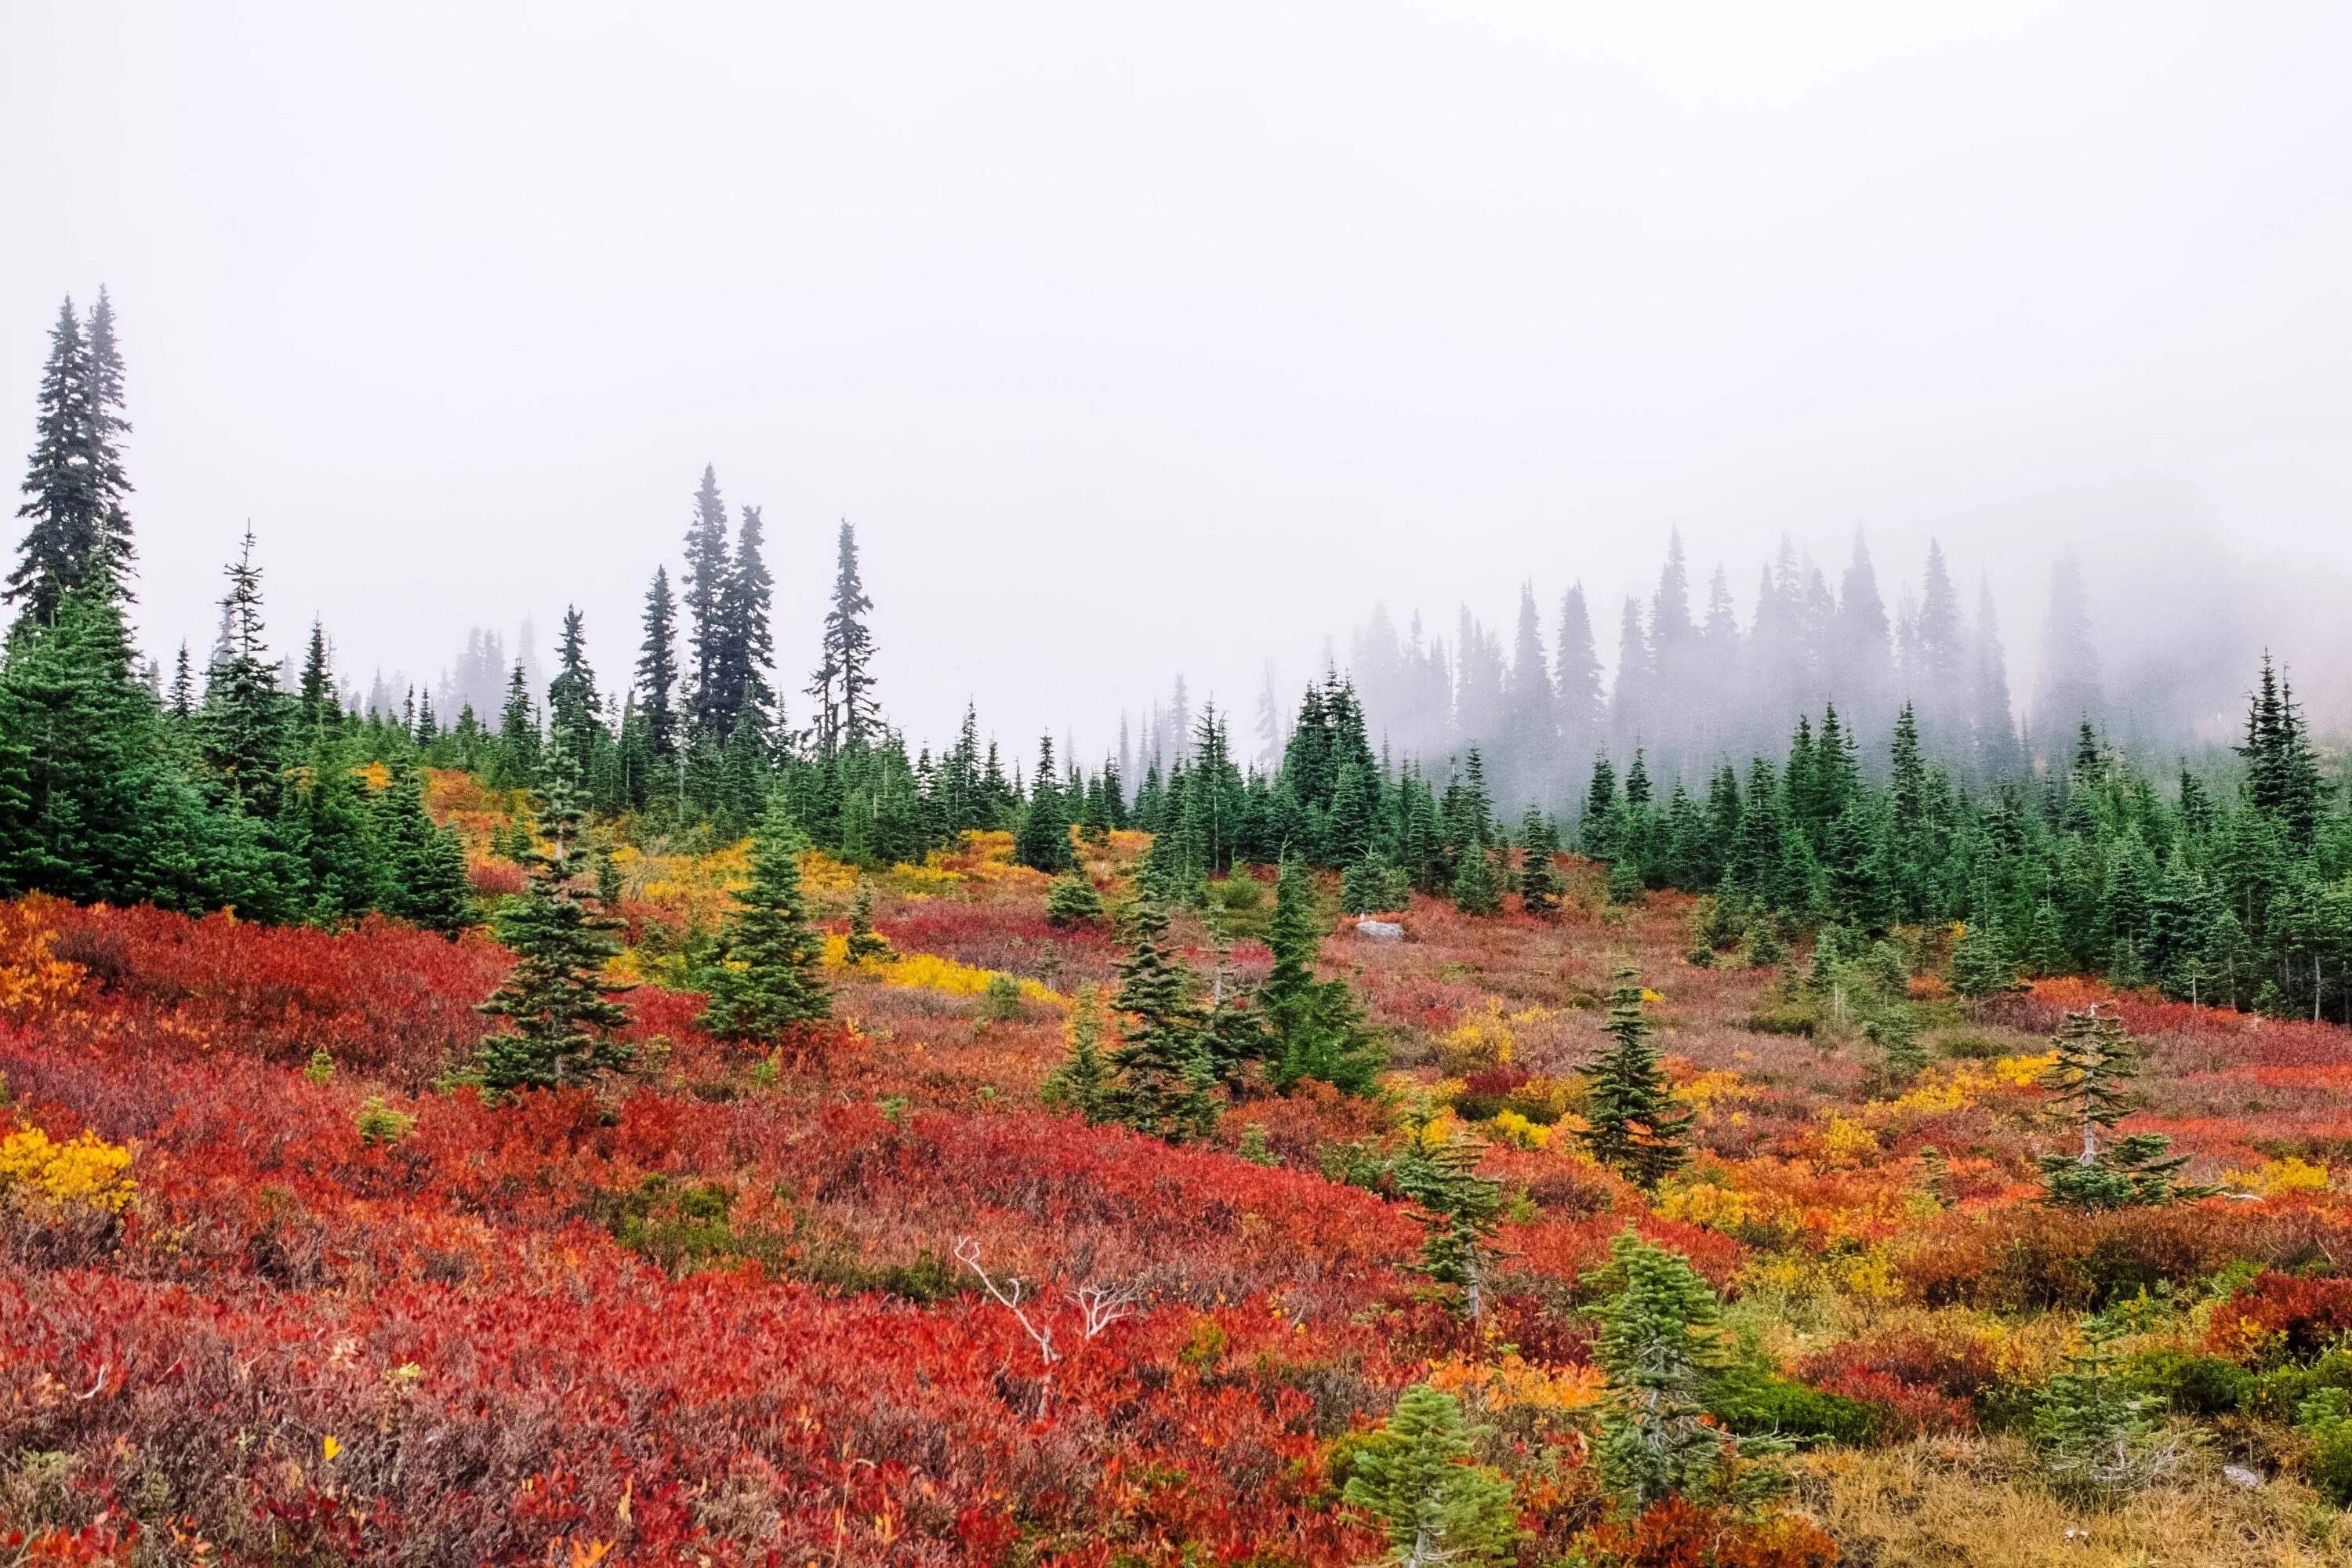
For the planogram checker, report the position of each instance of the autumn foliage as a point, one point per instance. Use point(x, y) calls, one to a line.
point(279, 1283)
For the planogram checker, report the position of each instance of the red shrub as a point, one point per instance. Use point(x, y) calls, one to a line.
point(2282, 1311)
point(1675, 1534)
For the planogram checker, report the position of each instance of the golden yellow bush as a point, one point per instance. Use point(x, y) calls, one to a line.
point(85, 1172)
point(1481, 1041)
point(1846, 1141)
point(1515, 1130)
point(2275, 1177)
point(928, 972)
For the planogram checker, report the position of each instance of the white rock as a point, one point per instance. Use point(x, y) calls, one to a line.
point(1386, 930)
point(2238, 1475)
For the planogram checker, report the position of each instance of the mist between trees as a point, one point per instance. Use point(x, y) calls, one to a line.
point(1697, 683)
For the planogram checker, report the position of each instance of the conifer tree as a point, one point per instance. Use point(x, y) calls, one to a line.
point(182, 702)
point(516, 764)
point(2089, 1087)
point(245, 718)
point(1632, 1125)
point(658, 666)
point(1072, 898)
point(425, 882)
point(2097, 1434)
point(1374, 885)
point(864, 943)
point(1315, 1026)
point(92, 808)
point(1044, 841)
point(746, 647)
point(1539, 879)
point(575, 712)
point(766, 980)
point(1351, 830)
point(2282, 776)
point(1663, 1349)
point(109, 482)
point(317, 694)
point(704, 580)
point(1981, 964)
point(1418, 1480)
point(1477, 890)
point(1162, 1074)
point(1459, 1211)
point(1082, 1081)
point(63, 545)
point(559, 1007)
point(844, 683)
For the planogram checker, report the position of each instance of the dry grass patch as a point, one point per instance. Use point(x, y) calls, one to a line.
point(1973, 1502)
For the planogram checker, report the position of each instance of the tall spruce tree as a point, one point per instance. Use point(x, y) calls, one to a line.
point(109, 483)
point(516, 759)
point(575, 710)
point(1044, 840)
point(658, 666)
point(702, 586)
point(748, 649)
point(63, 546)
point(844, 683)
point(248, 721)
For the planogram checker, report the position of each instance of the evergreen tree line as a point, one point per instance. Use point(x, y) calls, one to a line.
point(230, 789)
point(222, 787)
point(2238, 897)
point(229, 785)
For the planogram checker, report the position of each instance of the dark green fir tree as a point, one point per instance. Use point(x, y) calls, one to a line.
point(1162, 1074)
point(1631, 1122)
point(561, 1018)
point(768, 980)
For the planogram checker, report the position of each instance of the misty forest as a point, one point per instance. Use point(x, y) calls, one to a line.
point(1771, 1096)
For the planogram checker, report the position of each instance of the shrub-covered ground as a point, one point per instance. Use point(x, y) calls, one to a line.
point(277, 1292)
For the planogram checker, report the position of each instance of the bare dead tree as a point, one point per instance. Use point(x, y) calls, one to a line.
point(1009, 1296)
point(1100, 1306)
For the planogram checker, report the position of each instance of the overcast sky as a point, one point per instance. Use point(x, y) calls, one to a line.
point(1136, 339)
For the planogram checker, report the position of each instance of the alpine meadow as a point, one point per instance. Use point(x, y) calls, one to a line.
point(1830, 1044)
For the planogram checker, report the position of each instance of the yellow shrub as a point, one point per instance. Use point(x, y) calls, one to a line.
point(1547, 1099)
point(2274, 1177)
point(929, 972)
point(820, 873)
point(1515, 1130)
point(1480, 1041)
point(1846, 1141)
point(2023, 1072)
point(86, 1173)
point(1871, 1275)
point(1704, 1203)
point(1709, 1087)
